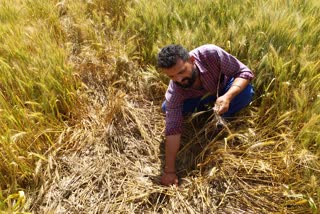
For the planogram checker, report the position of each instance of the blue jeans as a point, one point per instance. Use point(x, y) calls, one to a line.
point(201, 104)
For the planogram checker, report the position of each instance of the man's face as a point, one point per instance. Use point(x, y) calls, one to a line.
point(182, 73)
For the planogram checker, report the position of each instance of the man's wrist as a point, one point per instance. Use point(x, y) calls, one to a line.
point(169, 170)
point(228, 96)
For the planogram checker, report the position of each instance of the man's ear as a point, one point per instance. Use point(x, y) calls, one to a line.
point(192, 59)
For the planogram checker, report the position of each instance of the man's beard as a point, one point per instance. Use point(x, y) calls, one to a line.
point(189, 80)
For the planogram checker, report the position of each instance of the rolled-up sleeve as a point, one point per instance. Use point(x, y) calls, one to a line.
point(231, 66)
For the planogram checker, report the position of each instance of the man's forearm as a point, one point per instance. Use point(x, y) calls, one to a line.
point(237, 86)
point(171, 149)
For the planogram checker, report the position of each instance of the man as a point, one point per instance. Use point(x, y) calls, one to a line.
point(205, 70)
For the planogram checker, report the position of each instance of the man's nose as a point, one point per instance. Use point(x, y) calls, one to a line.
point(178, 79)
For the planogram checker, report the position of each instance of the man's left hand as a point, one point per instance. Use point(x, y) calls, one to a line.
point(222, 105)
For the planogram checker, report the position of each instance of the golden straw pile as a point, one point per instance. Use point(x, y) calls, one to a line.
point(110, 160)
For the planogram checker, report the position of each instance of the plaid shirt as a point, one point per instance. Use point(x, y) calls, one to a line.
point(211, 61)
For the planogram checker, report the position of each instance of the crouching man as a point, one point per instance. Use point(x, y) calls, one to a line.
point(205, 70)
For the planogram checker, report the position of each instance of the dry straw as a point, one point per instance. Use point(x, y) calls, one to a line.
point(112, 157)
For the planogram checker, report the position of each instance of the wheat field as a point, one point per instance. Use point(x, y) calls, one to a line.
point(81, 125)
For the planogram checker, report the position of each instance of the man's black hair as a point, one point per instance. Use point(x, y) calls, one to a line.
point(169, 55)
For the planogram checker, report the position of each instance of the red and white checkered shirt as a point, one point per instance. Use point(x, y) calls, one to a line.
point(211, 61)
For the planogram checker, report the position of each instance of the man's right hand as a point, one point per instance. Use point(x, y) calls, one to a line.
point(169, 176)
point(168, 179)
